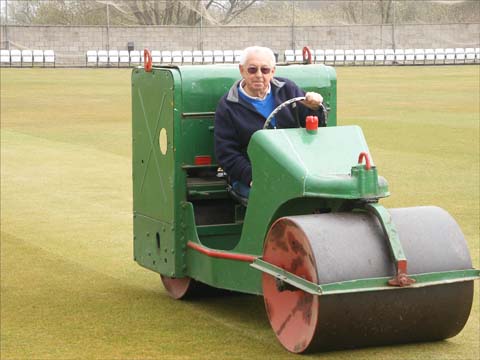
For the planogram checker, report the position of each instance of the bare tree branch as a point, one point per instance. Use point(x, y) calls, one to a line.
point(235, 9)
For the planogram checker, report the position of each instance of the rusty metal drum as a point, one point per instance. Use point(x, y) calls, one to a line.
point(335, 247)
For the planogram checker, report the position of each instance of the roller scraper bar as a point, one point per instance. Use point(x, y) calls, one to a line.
point(288, 281)
point(361, 285)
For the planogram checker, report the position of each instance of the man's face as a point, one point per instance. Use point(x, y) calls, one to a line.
point(256, 82)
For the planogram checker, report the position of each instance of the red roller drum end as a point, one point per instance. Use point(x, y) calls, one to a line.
point(293, 313)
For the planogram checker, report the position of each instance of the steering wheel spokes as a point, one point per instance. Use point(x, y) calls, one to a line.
point(280, 107)
point(288, 102)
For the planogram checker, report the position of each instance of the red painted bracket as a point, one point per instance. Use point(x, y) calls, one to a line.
point(402, 278)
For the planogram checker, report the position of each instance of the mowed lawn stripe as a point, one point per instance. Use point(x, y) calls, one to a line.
point(58, 309)
point(72, 224)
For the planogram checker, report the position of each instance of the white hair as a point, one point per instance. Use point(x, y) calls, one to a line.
point(255, 50)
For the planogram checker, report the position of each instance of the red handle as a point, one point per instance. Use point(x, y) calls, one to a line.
point(307, 55)
point(311, 123)
point(364, 155)
point(147, 60)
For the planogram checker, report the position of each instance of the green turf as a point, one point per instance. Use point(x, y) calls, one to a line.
point(69, 286)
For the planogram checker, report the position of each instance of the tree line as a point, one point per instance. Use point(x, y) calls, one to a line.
point(236, 12)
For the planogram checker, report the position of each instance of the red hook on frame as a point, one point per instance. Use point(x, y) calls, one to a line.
point(307, 55)
point(364, 155)
point(147, 60)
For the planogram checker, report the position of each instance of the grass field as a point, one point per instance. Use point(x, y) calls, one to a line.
point(69, 286)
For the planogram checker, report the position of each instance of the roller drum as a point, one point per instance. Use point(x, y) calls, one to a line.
point(329, 248)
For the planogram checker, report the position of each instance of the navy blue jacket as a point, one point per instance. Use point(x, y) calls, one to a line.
point(236, 120)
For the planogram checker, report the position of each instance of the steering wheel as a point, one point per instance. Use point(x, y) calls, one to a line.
point(284, 104)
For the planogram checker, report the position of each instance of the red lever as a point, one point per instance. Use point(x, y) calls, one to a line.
point(363, 155)
point(147, 60)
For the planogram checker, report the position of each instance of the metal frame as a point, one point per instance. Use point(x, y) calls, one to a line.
point(363, 285)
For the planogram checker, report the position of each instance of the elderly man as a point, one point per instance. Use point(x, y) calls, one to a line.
point(244, 109)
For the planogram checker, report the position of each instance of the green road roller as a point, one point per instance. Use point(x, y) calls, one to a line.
point(337, 270)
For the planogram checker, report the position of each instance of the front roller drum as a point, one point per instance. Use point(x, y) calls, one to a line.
point(188, 288)
point(330, 248)
point(178, 288)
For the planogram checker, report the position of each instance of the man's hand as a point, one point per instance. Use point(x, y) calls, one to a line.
point(313, 100)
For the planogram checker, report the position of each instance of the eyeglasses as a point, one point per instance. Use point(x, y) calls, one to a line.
point(253, 70)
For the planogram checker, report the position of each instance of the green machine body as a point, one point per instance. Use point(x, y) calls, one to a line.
point(332, 264)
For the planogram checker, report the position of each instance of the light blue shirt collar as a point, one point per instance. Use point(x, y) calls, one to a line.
point(240, 86)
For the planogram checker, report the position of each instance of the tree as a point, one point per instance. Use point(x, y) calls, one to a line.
point(221, 12)
point(179, 12)
point(22, 12)
point(372, 11)
point(58, 12)
point(384, 7)
point(126, 12)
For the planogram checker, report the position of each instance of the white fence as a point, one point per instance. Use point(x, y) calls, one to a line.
point(337, 57)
